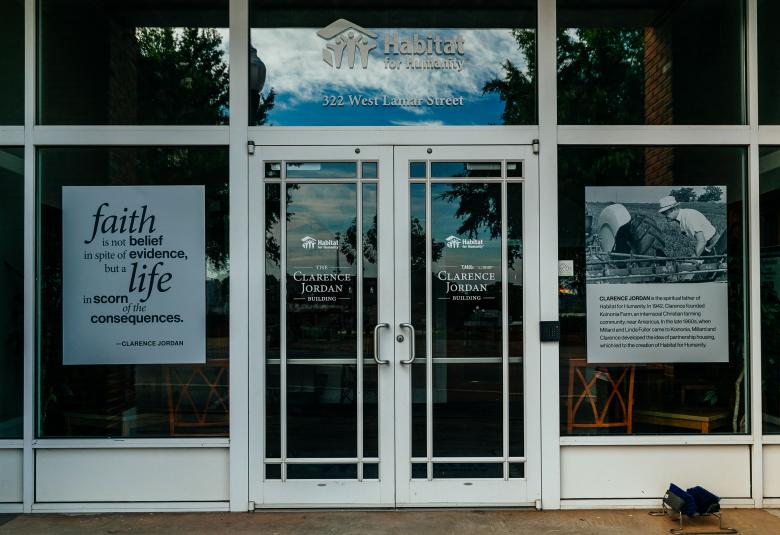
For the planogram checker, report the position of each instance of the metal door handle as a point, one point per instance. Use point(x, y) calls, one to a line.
point(376, 343)
point(412, 348)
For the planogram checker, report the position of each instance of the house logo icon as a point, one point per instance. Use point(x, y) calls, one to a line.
point(308, 242)
point(453, 242)
point(345, 37)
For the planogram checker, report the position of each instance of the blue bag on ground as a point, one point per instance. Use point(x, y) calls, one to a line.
point(687, 504)
point(706, 502)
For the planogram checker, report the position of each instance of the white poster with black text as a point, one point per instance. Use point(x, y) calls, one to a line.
point(656, 274)
point(133, 275)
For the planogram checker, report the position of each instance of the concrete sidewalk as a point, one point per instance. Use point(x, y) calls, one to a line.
point(427, 522)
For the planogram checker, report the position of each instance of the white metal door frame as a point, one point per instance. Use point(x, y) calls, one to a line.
point(395, 486)
point(470, 492)
point(310, 492)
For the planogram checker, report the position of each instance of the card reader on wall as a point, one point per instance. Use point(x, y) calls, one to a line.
point(550, 331)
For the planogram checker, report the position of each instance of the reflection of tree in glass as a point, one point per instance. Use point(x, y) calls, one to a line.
point(349, 244)
point(417, 247)
point(193, 164)
point(183, 78)
point(518, 88)
point(112, 390)
point(600, 77)
point(272, 210)
point(479, 207)
point(577, 166)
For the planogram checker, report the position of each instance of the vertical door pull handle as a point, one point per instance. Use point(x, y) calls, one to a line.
point(412, 338)
point(376, 343)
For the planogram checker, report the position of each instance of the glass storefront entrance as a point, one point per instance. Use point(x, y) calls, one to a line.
point(390, 364)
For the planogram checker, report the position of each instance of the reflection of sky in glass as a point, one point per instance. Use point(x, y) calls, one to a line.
point(319, 211)
point(465, 169)
point(417, 169)
point(417, 201)
point(445, 223)
point(321, 169)
point(297, 72)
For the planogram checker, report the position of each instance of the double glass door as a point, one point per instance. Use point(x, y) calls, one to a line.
point(394, 326)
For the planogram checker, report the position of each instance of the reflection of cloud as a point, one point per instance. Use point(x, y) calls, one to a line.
point(415, 111)
point(321, 210)
point(421, 122)
point(293, 57)
point(225, 34)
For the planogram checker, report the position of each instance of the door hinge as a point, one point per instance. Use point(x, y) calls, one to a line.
point(250, 147)
point(251, 507)
point(535, 146)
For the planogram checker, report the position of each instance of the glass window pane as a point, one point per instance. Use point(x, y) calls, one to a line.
point(321, 270)
point(516, 470)
point(321, 169)
point(418, 268)
point(369, 170)
point(390, 64)
point(419, 471)
point(419, 414)
point(417, 170)
point(371, 471)
point(132, 400)
point(468, 470)
point(514, 169)
point(371, 254)
point(273, 471)
point(11, 291)
point(664, 392)
point(465, 169)
point(768, 62)
point(12, 63)
point(273, 322)
point(466, 255)
point(322, 471)
point(273, 170)
point(417, 277)
point(132, 62)
point(273, 412)
point(515, 300)
point(321, 411)
point(467, 410)
point(770, 286)
point(651, 62)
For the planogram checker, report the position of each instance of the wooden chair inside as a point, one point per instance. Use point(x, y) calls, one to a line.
point(587, 409)
point(198, 399)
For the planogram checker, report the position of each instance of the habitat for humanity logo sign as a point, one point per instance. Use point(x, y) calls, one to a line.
point(453, 242)
point(416, 51)
point(346, 37)
point(308, 242)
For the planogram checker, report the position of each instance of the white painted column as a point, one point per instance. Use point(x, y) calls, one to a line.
point(239, 256)
point(28, 473)
point(754, 262)
point(548, 257)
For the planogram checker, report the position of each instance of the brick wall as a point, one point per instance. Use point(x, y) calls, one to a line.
point(659, 103)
